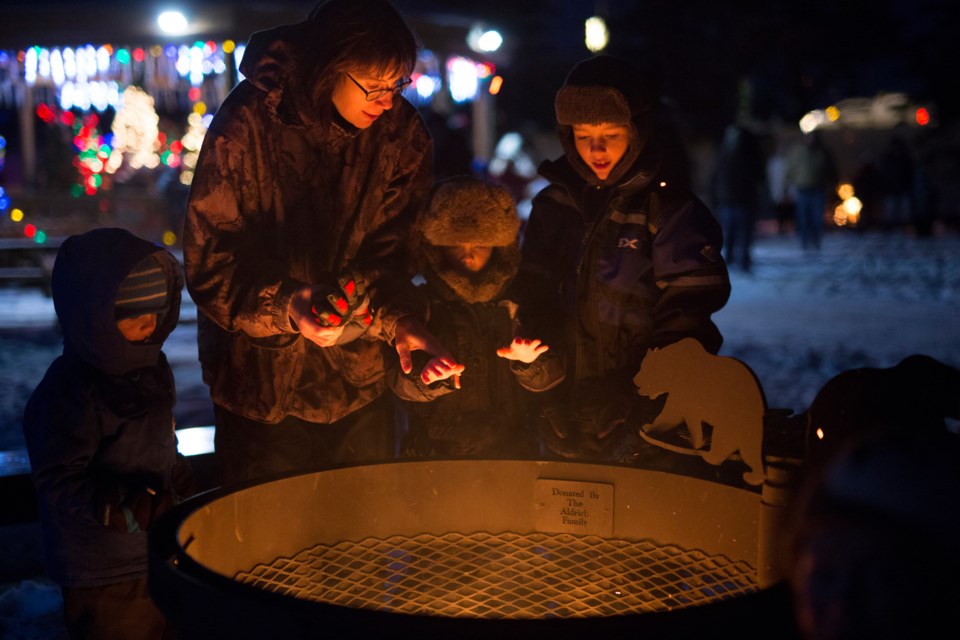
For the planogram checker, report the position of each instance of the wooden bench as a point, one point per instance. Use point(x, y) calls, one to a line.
point(28, 263)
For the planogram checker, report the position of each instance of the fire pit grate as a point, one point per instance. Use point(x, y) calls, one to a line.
point(506, 575)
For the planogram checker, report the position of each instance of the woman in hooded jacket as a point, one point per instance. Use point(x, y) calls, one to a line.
point(619, 256)
point(309, 176)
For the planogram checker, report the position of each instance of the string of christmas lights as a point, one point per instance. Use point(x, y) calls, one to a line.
point(93, 77)
point(76, 88)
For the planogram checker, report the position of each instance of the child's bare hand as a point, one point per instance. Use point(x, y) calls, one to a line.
point(523, 350)
point(440, 369)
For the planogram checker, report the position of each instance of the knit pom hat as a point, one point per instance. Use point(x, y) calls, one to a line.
point(143, 291)
point(591, 105)
point(464, 209)
point(605, 89)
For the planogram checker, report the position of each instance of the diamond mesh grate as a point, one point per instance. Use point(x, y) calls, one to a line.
point(506, 575)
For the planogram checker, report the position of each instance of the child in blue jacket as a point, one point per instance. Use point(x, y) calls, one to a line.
point(619, 255)
point(100, 432)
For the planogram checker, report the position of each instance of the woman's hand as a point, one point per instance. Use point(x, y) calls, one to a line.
point(411, 335)
point(302, 316)
point(523, 350)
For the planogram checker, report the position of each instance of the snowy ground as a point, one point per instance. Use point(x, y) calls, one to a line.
point(863, 300)
point(797, 320)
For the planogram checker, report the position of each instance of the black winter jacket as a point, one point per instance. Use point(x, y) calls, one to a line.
point(619, 270)
point(101, 420)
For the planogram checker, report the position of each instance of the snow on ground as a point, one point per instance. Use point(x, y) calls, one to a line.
point(864, 300)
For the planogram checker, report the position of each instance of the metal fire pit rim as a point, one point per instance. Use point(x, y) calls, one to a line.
point(176, 579)
point(728, 474)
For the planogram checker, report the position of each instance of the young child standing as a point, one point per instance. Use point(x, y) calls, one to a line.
point(100, 433)
point(474, 405)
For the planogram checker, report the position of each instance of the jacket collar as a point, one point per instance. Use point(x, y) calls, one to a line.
point(637, 177)
point(449, 284)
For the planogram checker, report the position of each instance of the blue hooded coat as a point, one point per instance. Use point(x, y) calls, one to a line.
point(101, 420)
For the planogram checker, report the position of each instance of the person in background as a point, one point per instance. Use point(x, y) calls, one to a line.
point(451, 146)
point(100, 434)
point(468, 253)
point(618, 255)
point(867, 183)
point(309, 177)
point(811, 174)
point(898, 170)
point(920, 393)
point(739, 187)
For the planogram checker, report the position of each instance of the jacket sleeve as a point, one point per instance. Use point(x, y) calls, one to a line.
point(183, 482)
point(234, 272)
point(63, 434)
point(537, 285)
point(409, 386)
point(691, 275)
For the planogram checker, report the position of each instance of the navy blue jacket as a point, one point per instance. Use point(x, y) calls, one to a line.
point(102, 417)
point(621, 269)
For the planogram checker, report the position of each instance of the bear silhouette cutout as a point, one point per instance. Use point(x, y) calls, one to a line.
point(703, 388)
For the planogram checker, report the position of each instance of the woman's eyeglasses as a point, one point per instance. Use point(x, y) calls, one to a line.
point(376, 94)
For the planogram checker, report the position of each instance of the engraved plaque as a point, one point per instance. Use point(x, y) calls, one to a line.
point(569, 506)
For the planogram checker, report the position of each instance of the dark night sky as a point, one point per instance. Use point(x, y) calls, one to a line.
point(796, 55)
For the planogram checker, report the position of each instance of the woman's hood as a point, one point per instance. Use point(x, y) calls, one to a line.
point(273, 62)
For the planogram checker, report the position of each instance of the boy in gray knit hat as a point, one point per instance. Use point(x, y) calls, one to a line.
point(467, 245)
point(619, 256)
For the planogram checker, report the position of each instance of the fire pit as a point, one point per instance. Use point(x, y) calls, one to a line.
point(458, 548)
